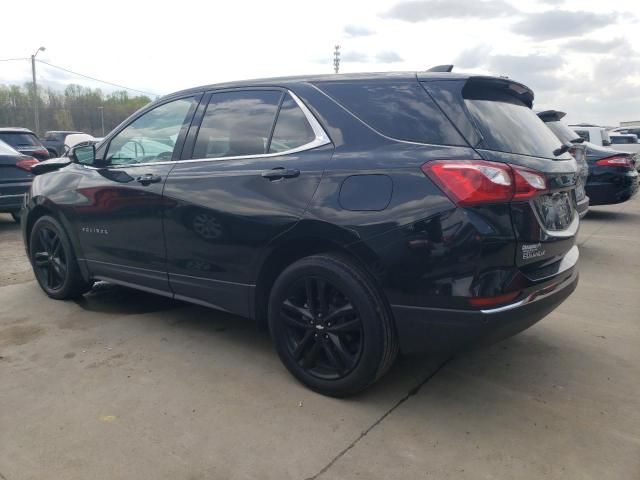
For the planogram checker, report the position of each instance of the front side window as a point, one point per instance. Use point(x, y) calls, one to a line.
point(237, 124)
point(151, 137)
point(292, 128)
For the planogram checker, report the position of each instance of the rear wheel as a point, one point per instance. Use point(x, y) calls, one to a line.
point(54, 262)
point(330, 326)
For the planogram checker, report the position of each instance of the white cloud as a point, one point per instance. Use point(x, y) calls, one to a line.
point(163, 50)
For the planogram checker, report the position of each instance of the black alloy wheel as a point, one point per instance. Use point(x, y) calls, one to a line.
point(49, 259)
point(324, 330)
point(54, 261)
point(330, 325)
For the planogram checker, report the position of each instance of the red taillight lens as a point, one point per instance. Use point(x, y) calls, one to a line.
point(470, 182)
point(616, 161)
point(26, 164)
point(528, 183)
point(483, 302)
point(42, 151)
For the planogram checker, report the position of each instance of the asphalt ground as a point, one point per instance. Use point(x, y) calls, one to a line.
point(123, 384)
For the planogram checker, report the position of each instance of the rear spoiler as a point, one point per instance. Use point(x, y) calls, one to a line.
point(486, 88)
point(551, 115)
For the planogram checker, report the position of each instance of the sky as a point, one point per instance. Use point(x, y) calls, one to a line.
point(581, 56)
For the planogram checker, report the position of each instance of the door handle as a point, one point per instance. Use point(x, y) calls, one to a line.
point(148, 179)
point(280, 172)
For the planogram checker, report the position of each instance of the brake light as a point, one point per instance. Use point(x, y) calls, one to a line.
point(472, 182)
point(616, 161)
point(26, 164)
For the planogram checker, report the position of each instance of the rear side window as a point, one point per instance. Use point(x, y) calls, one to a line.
point(401, 110)
point(237, 124)
point(508, 125)
point(19, 139)
point(292, 128)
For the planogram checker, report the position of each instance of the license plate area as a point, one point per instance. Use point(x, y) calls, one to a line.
point(556, 210)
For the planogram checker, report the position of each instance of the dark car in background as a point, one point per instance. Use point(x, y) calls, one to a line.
point(613, 175)
point(355, 215)
point(15, 179)
point(53, 141)
point(553, 120)
point(24, 141)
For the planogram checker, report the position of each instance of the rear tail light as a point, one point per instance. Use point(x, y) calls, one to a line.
point(616, 161)
point(26, 164)
point(471, 182)
point(42, 151)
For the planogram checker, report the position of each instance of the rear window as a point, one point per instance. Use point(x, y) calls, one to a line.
point(401, 110)
point(620, 140)
point(508, 125)
point(19, 139)
point(562, 131)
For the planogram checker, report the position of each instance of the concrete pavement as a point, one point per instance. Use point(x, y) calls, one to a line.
point(128, 385)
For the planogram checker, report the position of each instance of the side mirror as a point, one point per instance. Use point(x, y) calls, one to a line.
point(84, 154)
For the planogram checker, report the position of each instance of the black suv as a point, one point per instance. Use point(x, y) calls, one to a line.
point(356, 215)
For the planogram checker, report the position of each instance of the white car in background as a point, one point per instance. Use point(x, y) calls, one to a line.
point(593, 133)
point(626, 142)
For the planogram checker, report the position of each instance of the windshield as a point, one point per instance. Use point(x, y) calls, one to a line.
point(6, 149)
point(562, 131)
point(19, 139)
point(512, 127)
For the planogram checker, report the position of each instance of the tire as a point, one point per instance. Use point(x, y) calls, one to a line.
point(16, 216)
point(54, 261)
point(341, 341)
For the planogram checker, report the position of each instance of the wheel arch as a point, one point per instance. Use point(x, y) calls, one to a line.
point(39, 209)
point(320, 238)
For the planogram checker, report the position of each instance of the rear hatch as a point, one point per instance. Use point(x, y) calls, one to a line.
point(495, 116)
point(26, 143)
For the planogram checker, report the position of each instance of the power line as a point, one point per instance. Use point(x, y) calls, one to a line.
point(12, 59)
point(97, 79)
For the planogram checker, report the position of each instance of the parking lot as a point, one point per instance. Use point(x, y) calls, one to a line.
point(123, 384)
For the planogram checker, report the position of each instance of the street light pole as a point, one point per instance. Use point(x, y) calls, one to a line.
point(102, 119)
point(35, 89)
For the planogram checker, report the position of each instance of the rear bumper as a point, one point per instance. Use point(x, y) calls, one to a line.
point(12, 196)
point(423, 329)
point(613, 188)
point(582, 207)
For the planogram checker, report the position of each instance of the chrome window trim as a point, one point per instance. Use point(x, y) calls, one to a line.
point(321, 138)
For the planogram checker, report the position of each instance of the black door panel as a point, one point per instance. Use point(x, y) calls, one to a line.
point(226, 212)
point(120, 223)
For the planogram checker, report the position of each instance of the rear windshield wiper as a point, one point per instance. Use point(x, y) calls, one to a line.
point(563, 149)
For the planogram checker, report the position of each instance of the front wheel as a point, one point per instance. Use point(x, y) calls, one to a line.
point(54, 262)
point(331, 328)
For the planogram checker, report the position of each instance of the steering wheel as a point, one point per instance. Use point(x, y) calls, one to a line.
point(164, 155)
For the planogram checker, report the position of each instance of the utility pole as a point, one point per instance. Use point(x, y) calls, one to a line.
point(35, 90)
point(102, 118)
point(336, 58)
